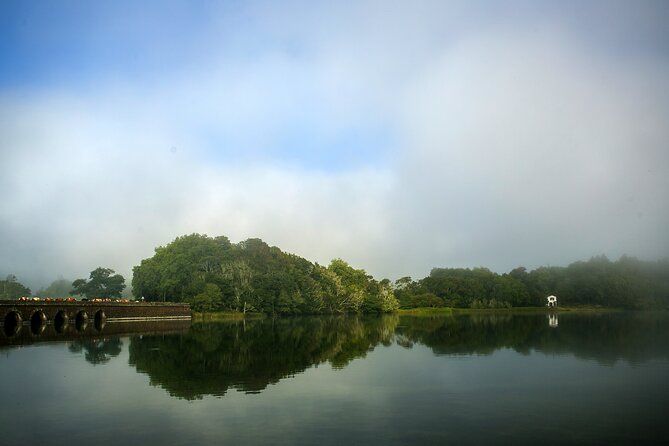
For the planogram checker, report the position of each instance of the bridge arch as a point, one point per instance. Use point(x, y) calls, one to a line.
point(99, 320)
point(12, 323)
point(60, 321)
point(37, 322)
point(81, 320)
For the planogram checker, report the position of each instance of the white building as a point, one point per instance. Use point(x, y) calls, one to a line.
point(551, 301)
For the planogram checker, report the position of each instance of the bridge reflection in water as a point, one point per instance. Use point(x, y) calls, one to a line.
point(24, 323)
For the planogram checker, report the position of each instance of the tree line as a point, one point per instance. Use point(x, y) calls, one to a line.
point(213, 274)
point(625, 283)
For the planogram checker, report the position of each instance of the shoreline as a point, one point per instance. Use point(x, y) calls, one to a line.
point(225, 316)
point(420, 311)
point(444, 311)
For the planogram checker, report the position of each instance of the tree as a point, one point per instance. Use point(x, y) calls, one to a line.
point(352, 283)
point(102, 283)
point(510, 290)
point(381, 300)
point(177, 272)
point(208, 300)
point(10, 288)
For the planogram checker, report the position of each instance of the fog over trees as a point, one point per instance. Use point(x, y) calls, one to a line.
point(625, 283)
point(10, 288)
point(214, 274)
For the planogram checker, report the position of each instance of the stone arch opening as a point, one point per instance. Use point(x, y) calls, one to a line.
point(12, 323)
point(81, 320)
point(60, 322)
point(99, 320)
point(37, 322)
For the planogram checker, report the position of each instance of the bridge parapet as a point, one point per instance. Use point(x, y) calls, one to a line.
point(14, 315)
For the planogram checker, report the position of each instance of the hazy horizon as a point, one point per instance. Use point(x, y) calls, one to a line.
point(126, 272)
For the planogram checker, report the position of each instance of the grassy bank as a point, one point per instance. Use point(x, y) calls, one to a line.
point(225, 316)
point(441, 311)
point(447, 311)
point(422, 311)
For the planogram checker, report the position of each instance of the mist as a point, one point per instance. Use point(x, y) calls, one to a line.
point(397, 137)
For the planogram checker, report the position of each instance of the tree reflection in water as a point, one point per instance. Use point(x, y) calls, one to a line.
point(97, 351)
point(249, 356)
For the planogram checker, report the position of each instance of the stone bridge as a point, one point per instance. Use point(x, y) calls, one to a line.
point(63, 316)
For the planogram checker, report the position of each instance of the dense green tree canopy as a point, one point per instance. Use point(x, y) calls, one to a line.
point(251, 275)
point(216, 275)
point(102, 283)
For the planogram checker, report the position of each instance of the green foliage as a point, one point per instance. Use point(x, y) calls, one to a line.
point(253, 276)
point(382, 300)
point(626, 283)
point(179, 271)
point(102, 283)
point(460, 287)
point(10, 288)
point(209, 300)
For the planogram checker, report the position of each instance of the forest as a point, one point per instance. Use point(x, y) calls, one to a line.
point(214, 274)
point(599, 282)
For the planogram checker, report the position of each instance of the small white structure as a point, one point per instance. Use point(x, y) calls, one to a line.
point(551, 301)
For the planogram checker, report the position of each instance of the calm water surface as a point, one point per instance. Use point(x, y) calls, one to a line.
point(489, 379)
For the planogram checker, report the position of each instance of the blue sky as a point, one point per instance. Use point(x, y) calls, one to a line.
point(397, 135)
point(70, 42)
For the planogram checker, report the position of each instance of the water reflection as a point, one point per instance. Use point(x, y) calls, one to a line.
point(97, 351)
point(37, 329)
point(209, 359)
point(604, 337)
point(553, 320)
point(213, 358)
point(482, 379)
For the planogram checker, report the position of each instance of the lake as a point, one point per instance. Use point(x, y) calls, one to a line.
point(477, 379)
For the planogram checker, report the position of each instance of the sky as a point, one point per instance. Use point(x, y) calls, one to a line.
point(397, 135)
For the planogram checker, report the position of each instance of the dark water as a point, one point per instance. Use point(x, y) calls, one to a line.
point(592, 379)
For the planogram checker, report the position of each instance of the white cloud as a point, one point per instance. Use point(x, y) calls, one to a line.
point(524, 150)
point(87, 192)
point(508, 143)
